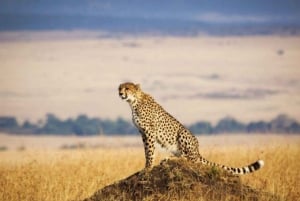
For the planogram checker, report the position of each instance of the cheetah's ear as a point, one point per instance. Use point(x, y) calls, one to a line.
point(138, 86)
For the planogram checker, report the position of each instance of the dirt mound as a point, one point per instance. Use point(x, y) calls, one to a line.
point(180, 180)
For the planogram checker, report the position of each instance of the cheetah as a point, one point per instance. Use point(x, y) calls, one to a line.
point(158, 126)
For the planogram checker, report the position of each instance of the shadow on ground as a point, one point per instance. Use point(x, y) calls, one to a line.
point(181, 180)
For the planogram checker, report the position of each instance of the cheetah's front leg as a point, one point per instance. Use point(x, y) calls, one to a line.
point(149, 150)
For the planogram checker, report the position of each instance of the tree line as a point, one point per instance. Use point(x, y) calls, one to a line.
point(84, 125)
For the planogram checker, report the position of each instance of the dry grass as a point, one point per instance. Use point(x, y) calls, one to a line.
point(77, 174)
point(63, 175)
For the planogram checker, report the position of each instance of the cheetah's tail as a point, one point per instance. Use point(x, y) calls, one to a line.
point(242, 170)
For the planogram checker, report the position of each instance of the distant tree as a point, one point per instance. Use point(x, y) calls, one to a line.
point(28, 125)
point(124, 127)
point(85, 126)
point(107, 126)
point(8, 122)
point(229, 125)
point(258, 127)
point(28, 128)
point(294, 128)
point(54, 125)
point(282, 124)
point(201, 128)
point(119, 126)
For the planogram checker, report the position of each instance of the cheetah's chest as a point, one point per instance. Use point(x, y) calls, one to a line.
point(144, 117)
point(137, 121)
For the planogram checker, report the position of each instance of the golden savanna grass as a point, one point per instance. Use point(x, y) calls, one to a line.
point(77, 174)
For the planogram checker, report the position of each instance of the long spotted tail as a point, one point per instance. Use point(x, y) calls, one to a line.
point(242, 170)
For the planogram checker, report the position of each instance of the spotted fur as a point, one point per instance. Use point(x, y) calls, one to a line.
point(157, 125)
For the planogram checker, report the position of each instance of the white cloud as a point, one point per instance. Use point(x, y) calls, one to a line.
point(222, 18)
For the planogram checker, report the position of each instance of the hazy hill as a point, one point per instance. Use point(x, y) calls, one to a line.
point(163, 17)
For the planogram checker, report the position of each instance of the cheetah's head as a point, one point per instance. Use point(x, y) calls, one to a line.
point(129, 91)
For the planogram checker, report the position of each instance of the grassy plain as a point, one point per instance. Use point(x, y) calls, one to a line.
point(74, 174)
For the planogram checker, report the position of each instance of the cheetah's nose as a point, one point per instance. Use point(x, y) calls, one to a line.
point(122, 95)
